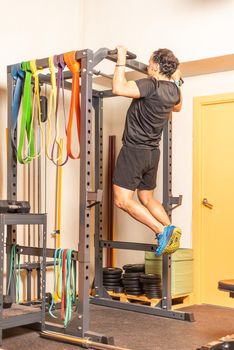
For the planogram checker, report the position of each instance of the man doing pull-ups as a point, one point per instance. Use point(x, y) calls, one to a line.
point(137, 164)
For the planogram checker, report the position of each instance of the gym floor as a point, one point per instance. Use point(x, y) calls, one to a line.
point(138, 331)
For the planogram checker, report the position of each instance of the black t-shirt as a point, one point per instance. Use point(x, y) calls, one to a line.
point(148, 114)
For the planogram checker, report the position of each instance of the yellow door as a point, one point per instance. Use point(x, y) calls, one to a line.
point(213, 197)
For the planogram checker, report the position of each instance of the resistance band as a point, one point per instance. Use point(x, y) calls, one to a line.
point(64, 278)
point(74, 67)
point(26, 119)
point(13, 269)
point(18, 76)
point(52, 104)
point(58, 61)
point(36, 103)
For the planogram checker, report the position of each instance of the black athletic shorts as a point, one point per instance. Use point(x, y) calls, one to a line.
point(136, 168)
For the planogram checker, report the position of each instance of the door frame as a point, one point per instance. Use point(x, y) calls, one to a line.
point(198, 103)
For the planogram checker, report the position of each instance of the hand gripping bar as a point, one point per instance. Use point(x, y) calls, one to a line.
point(130, 55)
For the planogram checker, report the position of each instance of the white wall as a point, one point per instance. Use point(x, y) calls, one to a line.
point(193, 29)
point(36, 29)
point(32, 29)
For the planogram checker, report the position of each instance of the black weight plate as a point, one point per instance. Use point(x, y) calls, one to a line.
point(116, 277)
point(152, 289)
point(134, 268)
point(152, 285)
point(112, 276)
point(111, 279)
point(135, 293)
point(112, 271)
point(131, 283)
point(131, 279)
point(131, 274)
point(157, 292)
point(131, 287)
point(150, 276)
point(134, 290)
point(153, 295)
point(150, 282)
point(112, 284)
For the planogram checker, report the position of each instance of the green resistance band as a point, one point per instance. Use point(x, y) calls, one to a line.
point(26, 126)
point(57, 254)
point(70, 281)
point(13, 269)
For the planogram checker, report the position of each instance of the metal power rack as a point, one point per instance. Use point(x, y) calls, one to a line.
point(79, 326)
point(19, 315)
point(101, 296)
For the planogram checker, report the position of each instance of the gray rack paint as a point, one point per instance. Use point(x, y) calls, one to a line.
point(19, 315)
point(79, 326)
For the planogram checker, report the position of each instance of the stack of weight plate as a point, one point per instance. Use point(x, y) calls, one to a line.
point(131, 279)
point(151, 285)
point(112, 279)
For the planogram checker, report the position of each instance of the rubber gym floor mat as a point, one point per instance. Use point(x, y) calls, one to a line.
point(145, 332)
point(138, 331)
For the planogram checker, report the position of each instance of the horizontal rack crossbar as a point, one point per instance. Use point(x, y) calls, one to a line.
point(24, 250)
point(128, 245)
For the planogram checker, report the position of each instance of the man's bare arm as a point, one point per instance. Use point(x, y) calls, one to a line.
point(121, 86)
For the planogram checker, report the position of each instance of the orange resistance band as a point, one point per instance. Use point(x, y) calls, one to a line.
point(74, 67)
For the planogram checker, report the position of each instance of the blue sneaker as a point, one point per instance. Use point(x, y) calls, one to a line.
point(164, 239)
point(174, 242)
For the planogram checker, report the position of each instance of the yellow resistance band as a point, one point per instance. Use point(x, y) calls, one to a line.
point(52, 104)
point(36, 103)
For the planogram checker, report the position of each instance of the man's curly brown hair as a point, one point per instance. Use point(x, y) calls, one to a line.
point(167, 61)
